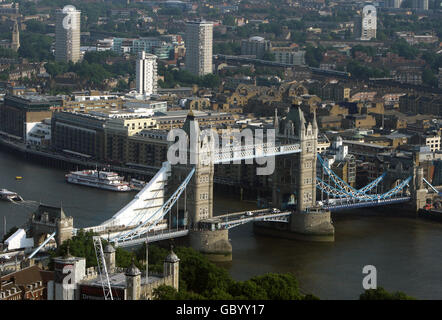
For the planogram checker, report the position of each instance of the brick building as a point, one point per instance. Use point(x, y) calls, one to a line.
point(30, 283)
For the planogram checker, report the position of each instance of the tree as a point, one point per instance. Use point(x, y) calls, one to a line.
point(402, 48)
point(227, 48)
point(279, 286)
point(370, 51)
point(313, 56)
point(269, 56)
point(35, 47)
point(164, 292)
point(55, 68)
point(122, 85)
point(37, 26)
point(360, 71)
point(210, 81)
point(9, 233)
point(382, 294)
point(429, 78)
point(229, 20)
point(4, 76)
point(124, 258)
point(8, 53)
point(98, 56)
point(200, 275)
point(248, 290)
point(80, 245)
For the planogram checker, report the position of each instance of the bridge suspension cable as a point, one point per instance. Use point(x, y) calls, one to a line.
point(431, 186)
point(373, 184)
point(340, 183)
point(344, 190)
point(396, 189)
point(328, 189)
point(147, 225)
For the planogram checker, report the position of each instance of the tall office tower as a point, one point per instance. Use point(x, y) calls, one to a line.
point(67, 34)
point(198, 42)
point(146, 73)
point(368, 28)
point(15, 43)
point(420, 4)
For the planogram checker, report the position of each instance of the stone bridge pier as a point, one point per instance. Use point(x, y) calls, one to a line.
point(419, 193)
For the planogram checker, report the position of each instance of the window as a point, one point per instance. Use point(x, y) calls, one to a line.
point(307, 197)
point(204, 196)
point(204, 212)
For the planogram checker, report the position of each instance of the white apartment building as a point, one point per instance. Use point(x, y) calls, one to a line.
point(146, 74)
point(198, 42)
point(433, 142)
point(67, 34)
point(369, 22)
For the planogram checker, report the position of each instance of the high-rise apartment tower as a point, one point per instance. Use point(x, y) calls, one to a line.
point(67, 34)
point(146, 73)
point(198, 41)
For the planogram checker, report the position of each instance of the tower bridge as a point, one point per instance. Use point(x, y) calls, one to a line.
point(304, 192)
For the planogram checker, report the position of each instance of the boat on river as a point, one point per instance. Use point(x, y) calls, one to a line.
point(11, 196)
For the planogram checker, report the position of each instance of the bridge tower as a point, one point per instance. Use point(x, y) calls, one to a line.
point(199, 192)
point(294, 180)
point(199, 201)
point(294, 183)
point(418, 191)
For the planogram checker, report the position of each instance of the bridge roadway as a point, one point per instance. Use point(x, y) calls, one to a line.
point(362, 204)
point(154, 236)
point(233, 153)
point(231, 220)
point(226, 221)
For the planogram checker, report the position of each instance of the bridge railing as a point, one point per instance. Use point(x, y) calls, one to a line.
point(238, 153)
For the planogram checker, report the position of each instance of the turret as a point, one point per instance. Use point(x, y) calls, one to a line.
point(172, 268)
point(276, 121)
point(109, 258)
point(133, 282)
point(314, 122)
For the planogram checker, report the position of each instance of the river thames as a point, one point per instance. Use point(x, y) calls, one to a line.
point(407, 252)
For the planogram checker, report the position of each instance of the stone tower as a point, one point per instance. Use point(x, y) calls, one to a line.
point(172, 268)
point(133, 282)
point(15, 43)
point(48, 219)
point(295, 176)
point(200, 189)
point(109, 258)
point(418, 191)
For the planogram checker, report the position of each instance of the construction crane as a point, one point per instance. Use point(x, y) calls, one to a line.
point(102, 269)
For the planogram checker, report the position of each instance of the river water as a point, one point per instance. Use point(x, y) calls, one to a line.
point(406, 252)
